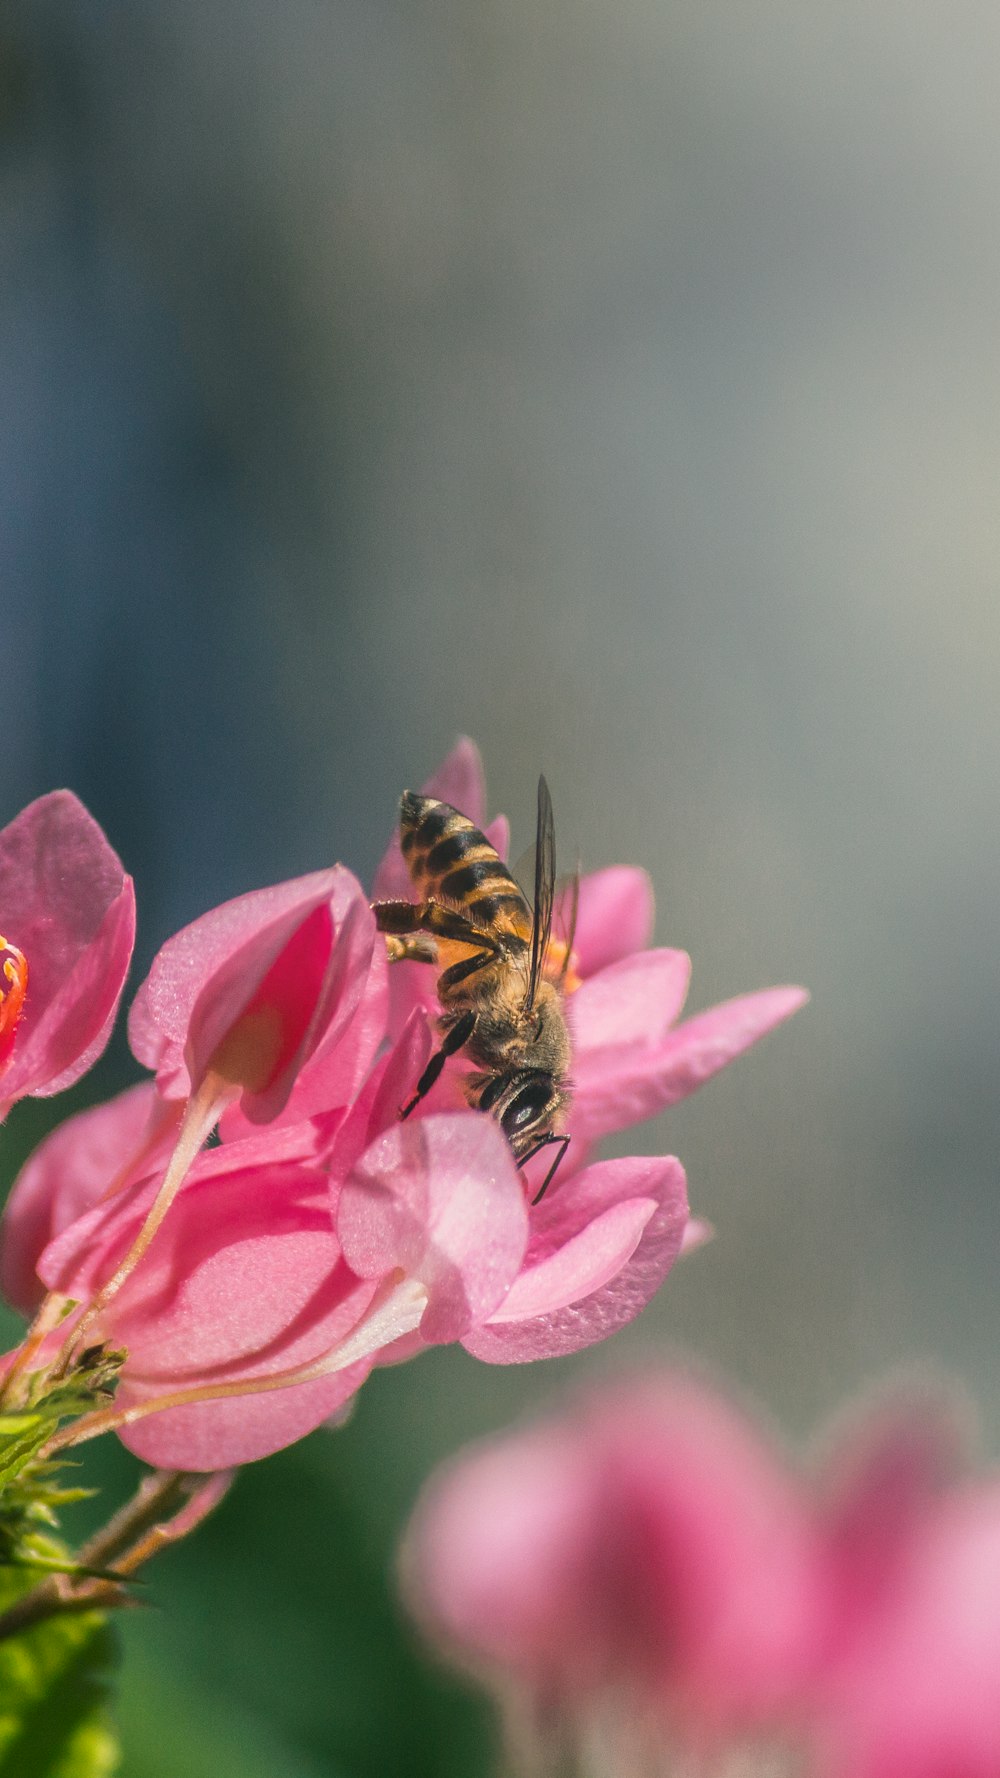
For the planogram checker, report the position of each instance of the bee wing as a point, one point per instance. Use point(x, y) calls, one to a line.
point(567, 909)
point(545, 884)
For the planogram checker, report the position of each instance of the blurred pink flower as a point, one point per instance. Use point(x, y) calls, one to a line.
point(68, 909)
point(650, 1544)
point(908, 1687)
point(917, 1694)
point(650, 1563)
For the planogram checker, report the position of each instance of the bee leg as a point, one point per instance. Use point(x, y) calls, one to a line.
point(453, 1040)
point(405, 917)
point(418, 947)
point(563, 1142)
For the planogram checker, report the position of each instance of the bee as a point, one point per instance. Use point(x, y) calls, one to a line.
point(499, 1005)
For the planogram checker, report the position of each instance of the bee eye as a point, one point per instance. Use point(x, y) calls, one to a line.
point(524, 1110)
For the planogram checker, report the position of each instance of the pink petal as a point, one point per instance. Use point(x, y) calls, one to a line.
point(68, 905)
point(245, 1278)
point(631, 1003)
point(616, 1088)
point(83, 1160)
point(498, 835)
point(238, 1429)
point(439, 1199)
point(292, 956)
point(378, 1104)
point(614, 916)
point(558, 1220)
point(333, 1076)
point(586, 1261)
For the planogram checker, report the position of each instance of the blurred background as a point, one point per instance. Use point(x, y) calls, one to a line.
point(618, 383)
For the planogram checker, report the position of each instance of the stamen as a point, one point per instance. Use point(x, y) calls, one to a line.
point(13, 988)
point(201, 1116)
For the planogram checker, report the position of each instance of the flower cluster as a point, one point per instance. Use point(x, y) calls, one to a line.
point(253, 1283)
point(652, 1587)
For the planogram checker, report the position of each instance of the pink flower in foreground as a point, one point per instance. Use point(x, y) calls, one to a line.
point(630, 1060)
point(67, 914)
point(650, 1576)
point(909, 1686)
point(649, 1546)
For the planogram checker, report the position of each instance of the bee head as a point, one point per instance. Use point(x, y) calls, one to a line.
point(525, 1104)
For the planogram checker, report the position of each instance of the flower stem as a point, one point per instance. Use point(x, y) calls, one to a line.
point(166, 1506)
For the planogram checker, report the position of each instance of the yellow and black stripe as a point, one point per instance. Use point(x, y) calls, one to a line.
point(451, 861)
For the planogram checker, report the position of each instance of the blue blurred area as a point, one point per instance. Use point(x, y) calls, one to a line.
point(619, 385)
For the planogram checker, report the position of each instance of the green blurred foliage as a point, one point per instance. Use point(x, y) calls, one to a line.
point(54, 1695)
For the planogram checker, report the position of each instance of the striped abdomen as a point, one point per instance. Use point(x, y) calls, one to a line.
point(451, 861)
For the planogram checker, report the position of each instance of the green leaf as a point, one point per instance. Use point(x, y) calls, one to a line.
point(54, 1683)
point(21, 1438)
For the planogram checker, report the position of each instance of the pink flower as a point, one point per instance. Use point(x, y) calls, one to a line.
point(67, 913)
point(630, 1059)
point(649, 1545)
point(387, 1235)
point(648, 1569)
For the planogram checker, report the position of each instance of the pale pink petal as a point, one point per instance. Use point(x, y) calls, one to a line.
point(245, 1278)
point(498, 835)
point(614, 916)
point(440, 1200)
point(698, 1233)
point(585, 1262)
point(632, 1003)
point(332, 1077)
point(620, 1086)
point(66, 903)
point(558, 1220)
point(82, 1161)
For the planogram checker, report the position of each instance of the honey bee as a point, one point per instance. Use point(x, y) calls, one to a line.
point(499, 1004)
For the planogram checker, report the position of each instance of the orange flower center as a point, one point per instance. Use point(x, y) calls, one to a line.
point(13, 988)
point(555, 962)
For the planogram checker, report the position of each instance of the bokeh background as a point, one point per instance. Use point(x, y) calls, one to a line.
point(617, 382)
